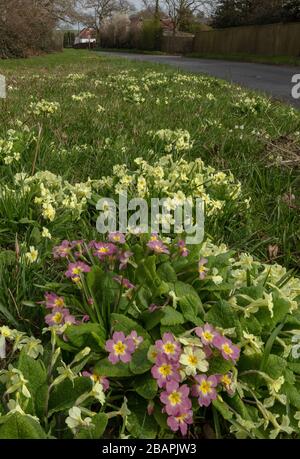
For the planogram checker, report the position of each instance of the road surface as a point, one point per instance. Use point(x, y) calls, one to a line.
point(273, 80)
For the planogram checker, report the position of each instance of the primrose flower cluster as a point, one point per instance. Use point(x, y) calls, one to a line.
point(253, 105)
point(18, 341)
point(14, 145)
point(51, 194)
point(181, 371)
point(60, 316)
point(43, 108)
point(175, 141)
point(175, 180)
point(188, 342)
point(139, 89)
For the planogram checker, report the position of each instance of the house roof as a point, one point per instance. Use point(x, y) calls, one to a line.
point(87, 32)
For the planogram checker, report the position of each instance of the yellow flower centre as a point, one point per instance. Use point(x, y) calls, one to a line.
point(57, 318)
point(6, 333)
point(120, 348)
point(181, 418)
point(169, 348)
point(175, 398)
point(226, 380)
point(96, 378)
point(202, 269)
point(59, 303)
point(193, 360)
point(103, 250)
point(205, 387)
point(208, 336)
point(76, 271)
point(165, 370)
point(227, 349)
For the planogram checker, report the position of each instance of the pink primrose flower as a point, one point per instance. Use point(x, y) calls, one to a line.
point(104, 250)
point(158, 247)
point(120, 348)
point(63, 250)
point(169, 347)
point(54, 301)
point(117, 238)
point(202, 269)
point(176, 398)
point(207, 334)
point(181, 421)
point(183, 250)
point(165, 371)
point(76, 269)
point(205, 389)
point(228, 350)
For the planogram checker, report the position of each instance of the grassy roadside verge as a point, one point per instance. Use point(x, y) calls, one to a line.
point(240, 57)
point(132, 51)
point(272, 60)
point(252, 138)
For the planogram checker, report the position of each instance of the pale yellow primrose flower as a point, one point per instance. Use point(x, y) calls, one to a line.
point(6, 332)
point(98, 393)
point(253, 344)
point(46, 233)
point(75, 421)
point(32, 255)
point(193, 360)
point(275, 386)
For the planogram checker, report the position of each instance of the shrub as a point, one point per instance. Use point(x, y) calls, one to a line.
point(26, 27)
point(151, 34)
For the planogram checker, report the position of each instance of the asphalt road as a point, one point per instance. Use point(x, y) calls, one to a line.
point(273, 80)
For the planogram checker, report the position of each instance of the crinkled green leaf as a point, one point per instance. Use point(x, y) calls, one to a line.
point(139, 423)
point(64, 395)
point(19, 427)
point(87, 335)
point(171, 316)
point(105, 368)
point(145, 386)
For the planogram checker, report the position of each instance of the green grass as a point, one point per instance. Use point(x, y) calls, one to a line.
point(269, 220)
point(241, 57)
point(238, 57)
point(132, 51)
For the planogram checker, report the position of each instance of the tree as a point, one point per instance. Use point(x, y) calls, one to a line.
point(61, 10)
point(26, 26)
point(291, 10)
point(96, 11)
point(228, 13)
point(115, 31)
point(177, 9)
point(246, 12)
point(69, 39)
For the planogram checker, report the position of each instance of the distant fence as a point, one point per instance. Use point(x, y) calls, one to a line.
point(177, 45)
point(266, 40)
